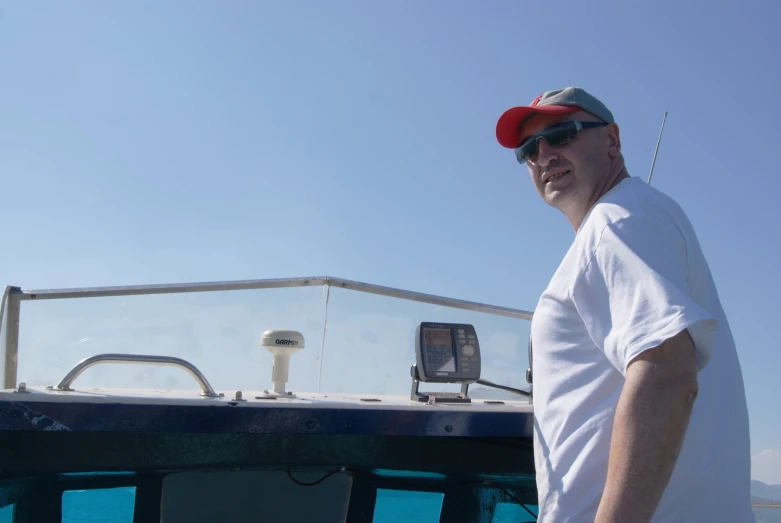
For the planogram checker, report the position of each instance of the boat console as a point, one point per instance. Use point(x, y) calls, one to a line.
point(304, 399)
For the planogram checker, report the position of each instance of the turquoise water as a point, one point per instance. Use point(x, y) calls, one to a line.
point(116, 506)
point(91, 506)
point(405, 506)
point(99, 506)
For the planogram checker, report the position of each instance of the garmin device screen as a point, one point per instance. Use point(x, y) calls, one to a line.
point(447, 352)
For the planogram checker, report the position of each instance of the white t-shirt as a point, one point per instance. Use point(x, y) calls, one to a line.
point(634, 276)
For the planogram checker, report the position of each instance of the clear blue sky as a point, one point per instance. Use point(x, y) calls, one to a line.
point(197, 141)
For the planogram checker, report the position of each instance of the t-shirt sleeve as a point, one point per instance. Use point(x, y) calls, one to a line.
point(633, 295)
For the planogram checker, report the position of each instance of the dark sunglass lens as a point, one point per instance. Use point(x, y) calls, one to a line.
point(560, 136)
point(526, 151)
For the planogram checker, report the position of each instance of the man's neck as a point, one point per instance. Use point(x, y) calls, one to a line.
point(575, 219)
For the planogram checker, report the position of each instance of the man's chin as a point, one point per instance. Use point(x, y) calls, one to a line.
point(555, 198)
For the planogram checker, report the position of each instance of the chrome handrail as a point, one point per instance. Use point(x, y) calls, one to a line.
point(203, 383)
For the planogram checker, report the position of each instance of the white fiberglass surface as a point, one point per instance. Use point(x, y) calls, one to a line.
point(355, 342)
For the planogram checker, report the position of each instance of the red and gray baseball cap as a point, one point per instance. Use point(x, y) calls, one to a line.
point(559, 101)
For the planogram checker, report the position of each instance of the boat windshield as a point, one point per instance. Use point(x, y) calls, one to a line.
point(359, 338)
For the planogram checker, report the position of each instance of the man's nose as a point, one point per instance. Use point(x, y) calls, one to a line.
point(545, 153)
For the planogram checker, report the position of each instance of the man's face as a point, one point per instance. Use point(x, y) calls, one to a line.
point(572, 176)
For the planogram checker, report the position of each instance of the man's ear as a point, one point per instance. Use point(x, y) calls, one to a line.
point(613, 140)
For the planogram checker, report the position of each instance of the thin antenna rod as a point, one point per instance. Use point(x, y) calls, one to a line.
point(657, 148)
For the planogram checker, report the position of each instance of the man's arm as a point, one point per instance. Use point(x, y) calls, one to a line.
point(648, 429)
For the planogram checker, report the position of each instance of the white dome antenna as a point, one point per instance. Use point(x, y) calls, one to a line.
point(281, 344)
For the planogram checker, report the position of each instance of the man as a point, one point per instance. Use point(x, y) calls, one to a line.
point(640, 411)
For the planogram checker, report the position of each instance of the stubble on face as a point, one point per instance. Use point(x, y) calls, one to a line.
point(573, 176)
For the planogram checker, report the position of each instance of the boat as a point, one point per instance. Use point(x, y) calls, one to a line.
point(274, 400)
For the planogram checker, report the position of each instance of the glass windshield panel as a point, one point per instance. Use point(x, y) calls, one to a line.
point(355, 342)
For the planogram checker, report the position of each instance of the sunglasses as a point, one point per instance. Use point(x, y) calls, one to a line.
point(554, 135)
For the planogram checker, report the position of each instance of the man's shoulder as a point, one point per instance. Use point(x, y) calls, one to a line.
point(641, 218)
point(634, 201)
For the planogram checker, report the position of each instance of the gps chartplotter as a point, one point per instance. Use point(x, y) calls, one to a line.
point(445, 353)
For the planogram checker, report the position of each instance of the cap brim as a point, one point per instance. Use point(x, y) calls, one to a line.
point(508, 127)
